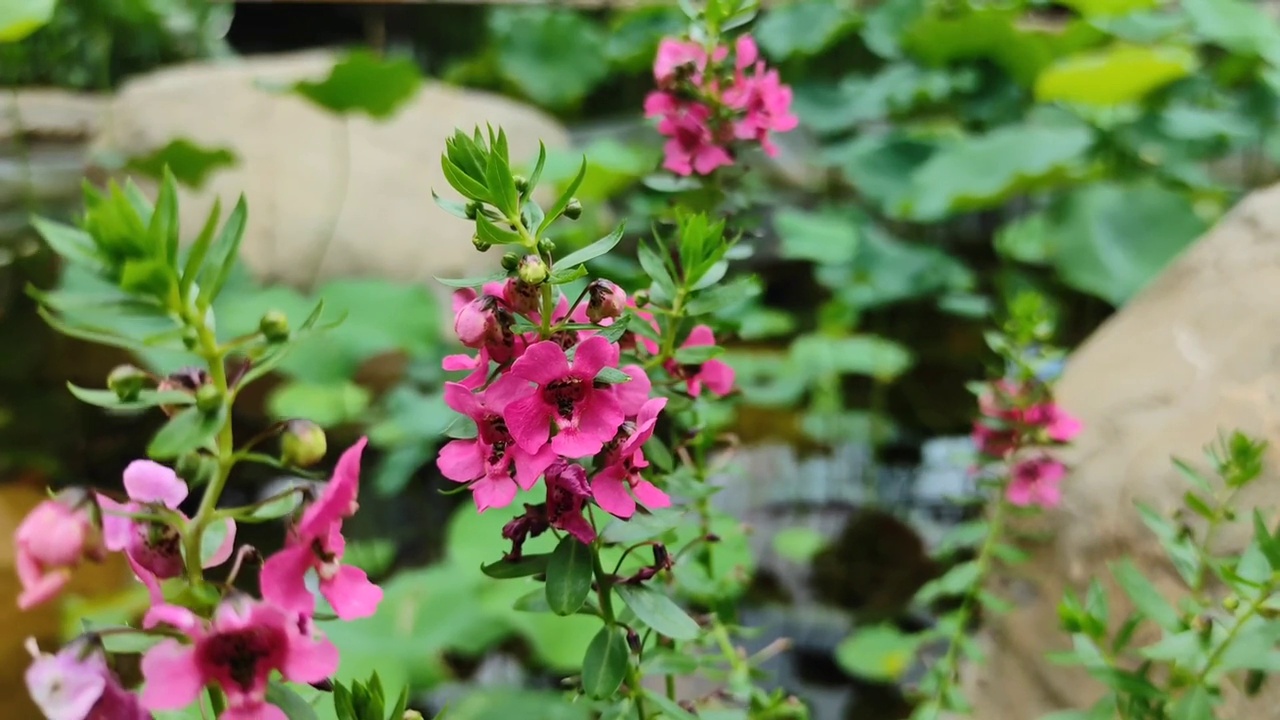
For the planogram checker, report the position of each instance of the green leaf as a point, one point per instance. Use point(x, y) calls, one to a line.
point(879, 652)
point(658, 611)
point(1117, 75)
point(562, 202)
point(213, 538)
point(612, 376)
point(802, 28)
point(671, 710)
point(568, 576)
point(129, 643)
point(189, 430)
point(199, 250)
point(277, 508)
point(1144, 595)
point(829, 237)
point(592, 251)
point(871, 355)
point(294, 707)
point(1093, 9)
point(1195, 704)
point(20, 18)
point(605, 665)
point(555, 56)
point(1240, 26)
point(146, 398)
point(498, 177)
point(1111, 239)
point(326, 404)
point(191, 164)
point(70, 242)
point(697, 354)
point(227, 250)
point(361, 81)
point(798, 544)
point(472, 282)
point(983, 171)
point(652, 264)
point(524, 567)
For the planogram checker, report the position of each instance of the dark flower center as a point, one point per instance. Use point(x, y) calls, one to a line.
point(493, 429)
point(241, 657)
point(564, 394)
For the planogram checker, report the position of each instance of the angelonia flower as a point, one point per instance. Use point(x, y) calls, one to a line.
point(560, 405)
point(1019, 422)
point(709, 103)
point(244, 641)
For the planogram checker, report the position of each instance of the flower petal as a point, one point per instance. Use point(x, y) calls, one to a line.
point(351, 594)
point(223, 553)
point(632, 395)
point(530, 465)
point(253, 710)
point(718, 376)
point(650, 496)
point(493, 492)
point(283, 579)
point(116, 529)
point(173, 616)
point(542, 363)
point(461, 400)
point(461, 460)
point(610, 492)
point(150, 482)
point(310, 659)
point(173, 680)
point(529, 422)
point(338, 498)
point(593, 355)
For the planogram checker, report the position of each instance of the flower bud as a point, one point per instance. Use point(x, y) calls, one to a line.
point(208, 399)
point(54, 538)
point(274, 326)
point(303, 444)
point(606, 300)
point(1231, 603)
point(185, 380)
point(641, 297)
point(633, 641)
point(126, 382)
point(190, 339)
point(474, 322)
point(412, 715)
point(520, 296)
point(546, 246)
point(510, 261)
point(481, 245)
point(522, 183)
point(533, 270)
point(473, 209)
point(196, 468)
point(573, 210)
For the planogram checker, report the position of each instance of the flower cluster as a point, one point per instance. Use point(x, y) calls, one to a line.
point(1020, 422)
point(245, 641)
point(707, 102)
point(555, 400)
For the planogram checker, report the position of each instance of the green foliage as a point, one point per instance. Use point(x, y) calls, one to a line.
point(191, 164)
point(363, 82)
point(20, 18)
point(552, 56)
point(365, 701)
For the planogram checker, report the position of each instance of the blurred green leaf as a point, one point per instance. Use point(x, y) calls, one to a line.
point(1114, 76)
point(885, 24)
point(294, 707)
point(496, 703)
point(20, 18)
point(827, 236)
point(634, 35)
point(326, 404)
point(186, 431)
point(1103, 8)
point(1111, 239)
point(191, 164)
point(658, 611)
point(880, 166)
point(798, 544)
point(879, 652)
point(605, 664)
point(1239, 26)
point(363, 82)
point(805, 27)
point(554, 56)
point(867, 355)
point(984, 170)
point(569, 576)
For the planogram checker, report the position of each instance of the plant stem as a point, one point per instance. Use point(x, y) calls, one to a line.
point(215, 357)
point(604, 588)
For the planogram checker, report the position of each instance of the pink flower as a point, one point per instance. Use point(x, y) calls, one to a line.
point(692, 146)
point(486, 323)
point(316, 542)
point(237, 651)
point(477, 367)
point(678, 56)
point(75, 684)
point(614, 485)
point(606, 300)
point(487, 461)
point(765, 104)
point(1056, 423)
point(153, 549)
point(567, 494)
point(1036, 481)
point(52, 541)
point(586, 416)
point(520, 296)
point(633, 395)
point(715, 375)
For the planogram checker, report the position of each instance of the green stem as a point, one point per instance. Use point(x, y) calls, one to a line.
point(1253, 608)
point(604, 589)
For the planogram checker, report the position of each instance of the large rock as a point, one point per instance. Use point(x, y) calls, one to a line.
point(1193, 356)
point(328, 196)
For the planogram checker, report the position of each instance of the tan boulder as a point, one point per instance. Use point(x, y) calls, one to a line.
point(329, 196)
point(1193, 356)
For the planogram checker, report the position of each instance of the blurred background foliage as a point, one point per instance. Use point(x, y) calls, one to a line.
point(952, 153)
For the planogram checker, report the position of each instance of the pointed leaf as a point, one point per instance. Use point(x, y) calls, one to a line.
point(592, 251)
point(658, 611)
point(524, 567)
point(605, 665)
point(563, 201)
point(188, 430)
point(568, 576)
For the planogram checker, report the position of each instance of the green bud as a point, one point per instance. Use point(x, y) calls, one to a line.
point(573, 210)
point(510, 261)
point(1231, 602)
point(546, 246)
point(412, 715)
point(533, 270)
point(303, 444)
point(481, 245)
point(641, 297)
point(126, 381)
point(522, 183)
point(274, 326)
point(208, 398)
point(473, 210)
point(196, 468)
point(190, 339)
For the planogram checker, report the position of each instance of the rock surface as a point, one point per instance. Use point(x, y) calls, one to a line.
point(1194, 355)
point(328, 196)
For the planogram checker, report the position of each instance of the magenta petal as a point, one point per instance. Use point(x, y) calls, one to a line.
point(461, 460)
point(717, 376)
point(117, 530)
point(650, 496)
point(461, 400)
point(151, 482)
point(542, 363)
point(632, 395)
point(493, 492)
point(283, 579)
point(530, 465)
point(529, 422)
point(573, 443)
point(600, 415)
point(173, 680)
point(337, 499)
point(351, 595)
point(610, 492)
point(593, 355)
point(504, 391)
point(173, 616)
